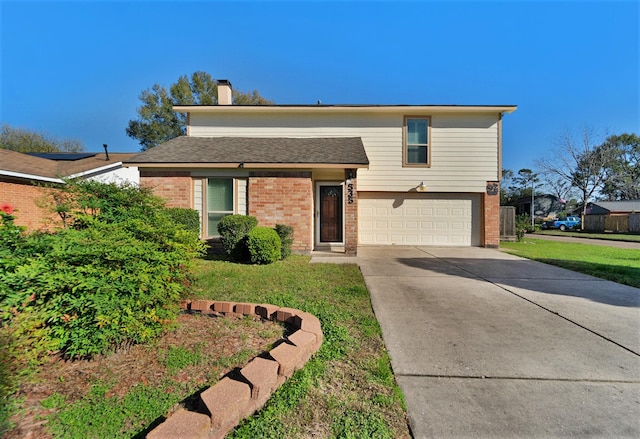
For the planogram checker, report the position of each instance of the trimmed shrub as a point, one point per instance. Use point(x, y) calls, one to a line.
point(189, 218)
point(264, 245)
point(233, 230)
point(286, 238)
point(113, 277)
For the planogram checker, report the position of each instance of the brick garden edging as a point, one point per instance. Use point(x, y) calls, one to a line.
point(224, 404)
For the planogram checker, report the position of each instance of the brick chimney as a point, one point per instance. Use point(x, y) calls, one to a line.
point(225, 95)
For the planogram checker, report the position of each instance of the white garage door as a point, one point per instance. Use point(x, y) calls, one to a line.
point(419, 219)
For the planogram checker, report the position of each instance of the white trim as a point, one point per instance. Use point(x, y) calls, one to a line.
point(316, 242)
point(394, 109)
point(117, 165)
point(31, 176)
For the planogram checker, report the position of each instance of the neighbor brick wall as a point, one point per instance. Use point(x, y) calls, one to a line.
point(284, 198)
point(491, 204)
point(25, 198)
point(174, 186)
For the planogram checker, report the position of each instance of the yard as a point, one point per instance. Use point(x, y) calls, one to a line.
point(346, 390)
point(628, 237)
point(615, 264)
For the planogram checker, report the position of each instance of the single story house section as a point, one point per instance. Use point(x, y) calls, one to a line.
point(23, 177)
point(341, 175)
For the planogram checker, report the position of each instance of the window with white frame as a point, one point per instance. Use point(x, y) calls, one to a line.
point(417, 132)
point(219, 202)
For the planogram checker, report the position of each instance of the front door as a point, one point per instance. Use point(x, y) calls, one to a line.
point(331, 213)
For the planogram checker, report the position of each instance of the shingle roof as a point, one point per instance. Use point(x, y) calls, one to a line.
point(619, 206)
point(258, 150)
point(12, 162)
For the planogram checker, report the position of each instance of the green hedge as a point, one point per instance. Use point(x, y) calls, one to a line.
point(286, 238)
point(114, 276)
point(264, 245)
point(233, 230)
point(189, 218)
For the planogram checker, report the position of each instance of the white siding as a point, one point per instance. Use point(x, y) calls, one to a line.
point(464, 153)
point(241, 196)
point(120, 176)
point(197, 198)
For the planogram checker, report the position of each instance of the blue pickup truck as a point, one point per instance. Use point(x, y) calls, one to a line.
point(570, 222)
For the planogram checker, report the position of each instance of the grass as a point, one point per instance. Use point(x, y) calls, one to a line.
point(628, 237)
point(347, 390)
point(125, 395)
point(615, 264)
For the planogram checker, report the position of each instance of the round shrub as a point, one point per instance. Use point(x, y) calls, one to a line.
point(233, 230)
point(264, 245)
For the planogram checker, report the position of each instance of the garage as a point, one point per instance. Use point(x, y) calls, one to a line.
point(419, 219)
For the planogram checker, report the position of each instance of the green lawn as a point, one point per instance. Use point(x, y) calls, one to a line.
point(347, 389)
point(615, 264)
point(608, 236)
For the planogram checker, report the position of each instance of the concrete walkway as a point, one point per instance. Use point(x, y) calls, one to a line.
point(489, 345)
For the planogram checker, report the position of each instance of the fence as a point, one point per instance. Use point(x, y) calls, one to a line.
point(507, 223)
point(613, 223)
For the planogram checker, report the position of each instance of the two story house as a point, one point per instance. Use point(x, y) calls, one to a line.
point(341, 175)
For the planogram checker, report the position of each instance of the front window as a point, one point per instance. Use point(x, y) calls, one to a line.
point(219, 202)
point(416, 141)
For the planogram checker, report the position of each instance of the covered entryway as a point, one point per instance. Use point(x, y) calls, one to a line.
point(419, 219)
point(330, 214)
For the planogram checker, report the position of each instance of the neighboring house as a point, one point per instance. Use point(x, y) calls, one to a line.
point(614, 216)
point(613, 207)
point(544, 206)
point(23, 177)
point(341, 175)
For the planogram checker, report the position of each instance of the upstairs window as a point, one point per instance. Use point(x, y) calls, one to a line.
point(417, 133)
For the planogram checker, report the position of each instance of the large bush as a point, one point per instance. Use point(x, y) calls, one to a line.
point(113, 276)
point(189, 218)
point(233, 230)
point(264, 245)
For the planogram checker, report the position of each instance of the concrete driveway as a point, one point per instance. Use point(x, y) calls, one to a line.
point(486, 344)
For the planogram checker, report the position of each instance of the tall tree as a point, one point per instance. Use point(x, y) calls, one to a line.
point(622, 167)
point(23, 140)
point(560, 188)
point(507, 196)
point(158, 123)
point(527, 182)
point(579, 162)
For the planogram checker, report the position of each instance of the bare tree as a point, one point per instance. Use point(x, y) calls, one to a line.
point(578, 162)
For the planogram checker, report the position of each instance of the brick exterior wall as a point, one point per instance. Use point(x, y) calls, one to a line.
point(26, 199)
point(491, 204)
point(174, 186)
point(351, 214)
point(284, 198)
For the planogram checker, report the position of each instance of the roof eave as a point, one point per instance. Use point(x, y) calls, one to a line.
point(31, 177)
point(396, 109)
point(245, 165)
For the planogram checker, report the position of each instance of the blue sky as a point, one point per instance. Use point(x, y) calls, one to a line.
point(76, 69)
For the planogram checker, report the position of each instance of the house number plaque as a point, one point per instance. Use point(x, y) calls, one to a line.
point(350, 193)
point(492, 189)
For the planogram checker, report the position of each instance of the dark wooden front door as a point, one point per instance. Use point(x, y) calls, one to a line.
point(330, 213)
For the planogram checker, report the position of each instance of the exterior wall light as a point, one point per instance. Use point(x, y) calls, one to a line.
point(421, 187)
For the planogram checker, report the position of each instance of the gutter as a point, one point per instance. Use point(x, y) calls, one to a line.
point(31, 177)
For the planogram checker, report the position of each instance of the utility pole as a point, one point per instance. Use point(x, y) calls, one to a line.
point(532, 208)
